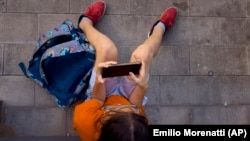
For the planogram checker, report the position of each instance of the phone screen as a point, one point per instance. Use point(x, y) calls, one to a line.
point(121, 69)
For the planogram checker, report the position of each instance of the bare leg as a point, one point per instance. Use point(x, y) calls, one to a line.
point(105, 51)
point(149, 49)
point(104, 46)
point(146, 52)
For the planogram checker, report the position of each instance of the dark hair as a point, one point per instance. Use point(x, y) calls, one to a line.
point(125, 126)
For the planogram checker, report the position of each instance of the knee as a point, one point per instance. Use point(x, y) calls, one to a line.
point(142, 52)
point(109, 50)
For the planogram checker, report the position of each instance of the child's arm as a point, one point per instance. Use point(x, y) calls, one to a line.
point(141, 80)
point(99, 90)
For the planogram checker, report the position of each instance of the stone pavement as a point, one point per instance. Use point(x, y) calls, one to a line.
point(200, 76)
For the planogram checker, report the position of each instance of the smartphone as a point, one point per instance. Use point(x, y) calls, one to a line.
point(121, 69)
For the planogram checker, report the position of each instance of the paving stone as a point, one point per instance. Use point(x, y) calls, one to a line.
point(124, 53)
point(171, 60)
point(131, 30)
point(174, 115)
point(36, 121)
point(1, 58)
point(43, 98)
point(248, 51)
point(17, 27)
point(1, 111)
point(16, 91)
point(50, 21)
point(141, 7)
point(186, 90)
point(118, 7)
point(234, 31)
point(38, 6)
point(248, 8)
point(248, 114)
point(233, 90)
point(2, 6)
point(113, 6)
point(220, 115)
point(205, 31)
point(190, 31)
point(212, 60)
point(153, 114)
point(153, 93)
point(14, 54)
point(180, 33)
point(69, 123)
point(228, 8)
point(168, 115)
point(204, 90)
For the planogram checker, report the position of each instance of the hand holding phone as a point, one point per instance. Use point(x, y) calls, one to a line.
point(121, 69)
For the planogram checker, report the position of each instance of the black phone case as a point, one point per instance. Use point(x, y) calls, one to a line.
point(121, 69)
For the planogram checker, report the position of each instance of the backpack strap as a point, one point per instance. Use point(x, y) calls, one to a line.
point(23, 68)
point(48, 44)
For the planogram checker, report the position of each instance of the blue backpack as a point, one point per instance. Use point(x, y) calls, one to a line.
point(62, 64)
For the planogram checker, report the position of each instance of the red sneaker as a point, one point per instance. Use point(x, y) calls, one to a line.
point(94, 12)
point(167, 18)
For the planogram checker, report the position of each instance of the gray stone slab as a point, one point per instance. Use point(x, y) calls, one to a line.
point(234, 31)
point(113, 6)
point(1, 58)
point(153, 93)
point(125, 53)
point(180, 33)
point(168, 114)
point(36, 121)
point(188, 90)
point(16, 91)
point(248, 51)
point(220, 115)
point(248, 114)
point(174, 115)
point(204, 90)
point(69, 123)
point(38, 6)
point(221, 8)
point(171, 60)
point(2, 6)
point(17, 27)
point(43, 98)
point(153, 114)
point(212, 60)
point(50, 21)
point(1, 112)
point(204, 31)
point(193, 31)
point(126, 30)
point(197, 115)
point(14, 54)
point(233, 90)
point(248, 8)
point(156, 7)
